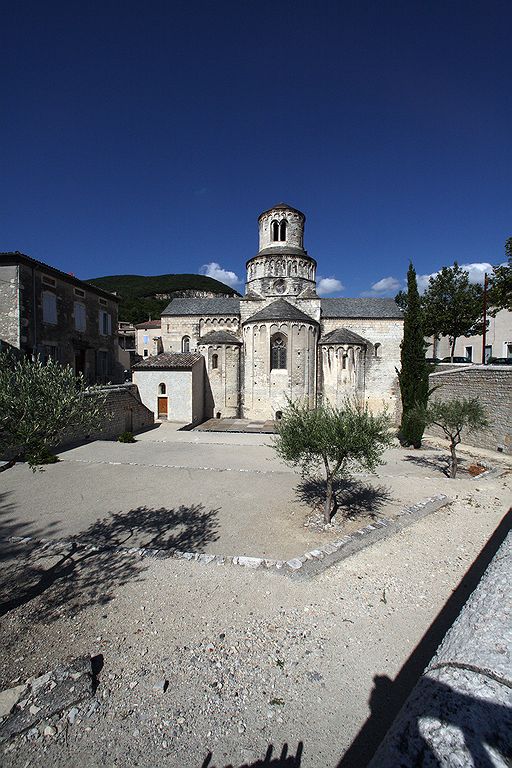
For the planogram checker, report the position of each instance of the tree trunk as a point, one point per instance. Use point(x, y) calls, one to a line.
point(453, 463)
point(328, 501)
point(453, 348)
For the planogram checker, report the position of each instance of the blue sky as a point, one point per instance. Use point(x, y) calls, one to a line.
point(146, 138)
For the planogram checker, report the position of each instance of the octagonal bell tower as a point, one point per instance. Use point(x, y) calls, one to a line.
point(281, 267)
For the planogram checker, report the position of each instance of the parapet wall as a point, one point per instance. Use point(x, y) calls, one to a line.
point(492, 385)
point(127, 413)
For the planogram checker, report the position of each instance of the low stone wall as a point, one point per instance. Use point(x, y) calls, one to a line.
point(492, 385)
point(459, 713)
point(127, 413)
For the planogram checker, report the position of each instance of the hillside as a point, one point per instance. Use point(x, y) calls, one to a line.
point(139, 293)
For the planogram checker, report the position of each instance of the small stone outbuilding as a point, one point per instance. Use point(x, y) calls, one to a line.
point(172, 385)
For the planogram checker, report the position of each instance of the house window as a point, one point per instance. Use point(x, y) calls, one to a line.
point(145, 353)
point(48, 281)
point(105, 323)
point(215, 361)
point(185, 344)
point(162, 389)
point(102, 366)
point(468, 354)
point(49, 307)
point(51, 352)
point(80, 317)
point(145, 339)
point(282, 230)
point(274, 228)
point(278, 351)
point(79, 292)
point(102, 302)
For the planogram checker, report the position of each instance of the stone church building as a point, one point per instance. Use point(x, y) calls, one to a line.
point(245, 357)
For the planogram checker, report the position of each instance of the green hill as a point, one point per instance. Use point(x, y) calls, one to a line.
point(138, 293)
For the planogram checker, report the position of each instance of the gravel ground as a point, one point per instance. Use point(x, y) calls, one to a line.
point(251, 658)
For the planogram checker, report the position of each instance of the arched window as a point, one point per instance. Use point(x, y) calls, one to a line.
point(274, 230)
point(282, 230)
point(185, 344)
point(215, 361)
point(278, 351)
point(376, 350)
point(161, 389)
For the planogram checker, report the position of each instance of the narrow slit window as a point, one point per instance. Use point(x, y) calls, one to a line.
point(274, 227)
point(215, 361)
point(282, 230)
point(185, 344)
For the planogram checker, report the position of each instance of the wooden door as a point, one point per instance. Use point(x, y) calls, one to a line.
point(162, 407)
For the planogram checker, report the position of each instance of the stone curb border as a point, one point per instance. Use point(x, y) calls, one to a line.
point(307, 565)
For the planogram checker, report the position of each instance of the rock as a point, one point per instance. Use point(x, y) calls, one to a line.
point(248, 562)
point(73, 714)
point(10, 697)
point(33, 734)
point(93, 707)
point(133, 684)
point(50, 731)
point(46, 700)
point(161, 685)
point(294, 564)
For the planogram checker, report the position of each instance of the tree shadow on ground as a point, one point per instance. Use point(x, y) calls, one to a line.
point(439, 463)
point(283, 761)
point(352, 498)
point(53, 581)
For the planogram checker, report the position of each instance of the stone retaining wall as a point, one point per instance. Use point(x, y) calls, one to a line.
point(492, 385)
point(460, 712)
point(127, 413)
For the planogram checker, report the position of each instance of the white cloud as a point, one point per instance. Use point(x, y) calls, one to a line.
point(224, 275)
point(386, 284)
point(476, 272)
point(327, 285)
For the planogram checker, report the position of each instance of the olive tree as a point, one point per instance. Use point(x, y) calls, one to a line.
point(337, 440)
point(39, 404)
point(454, 417)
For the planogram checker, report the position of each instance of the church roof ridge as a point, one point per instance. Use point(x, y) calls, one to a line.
point(225, 305)
point(364, 307)
point(281, 310)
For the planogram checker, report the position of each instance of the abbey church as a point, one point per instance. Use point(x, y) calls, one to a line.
point(245, 357)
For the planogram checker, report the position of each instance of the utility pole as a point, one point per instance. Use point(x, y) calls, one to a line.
point(484, 335)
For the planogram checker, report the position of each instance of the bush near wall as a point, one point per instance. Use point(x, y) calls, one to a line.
point(492, 385)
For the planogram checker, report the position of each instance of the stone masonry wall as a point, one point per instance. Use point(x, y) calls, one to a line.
point(493, 388)
point(9, 306)
point(127, 413)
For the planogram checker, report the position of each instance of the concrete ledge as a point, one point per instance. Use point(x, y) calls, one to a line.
point(460, 712)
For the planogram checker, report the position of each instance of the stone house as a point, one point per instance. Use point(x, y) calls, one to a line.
point(148, 341)
point(280, 340)
point(51, 314)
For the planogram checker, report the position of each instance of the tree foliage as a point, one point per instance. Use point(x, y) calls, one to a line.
point(454, 417)
point(39, 403)
point(334, 440)
point(500, 283)
point(414, 369)
point(452, 305)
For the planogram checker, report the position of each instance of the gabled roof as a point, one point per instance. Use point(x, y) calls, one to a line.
point(343, 336)
point(364, 308)
point(150, 324)
point(225, 305)
point(15, 257)
point(281, 310)
point(168, 361)
point(219, 337)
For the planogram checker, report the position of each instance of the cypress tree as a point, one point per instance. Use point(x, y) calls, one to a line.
point(413, 376)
